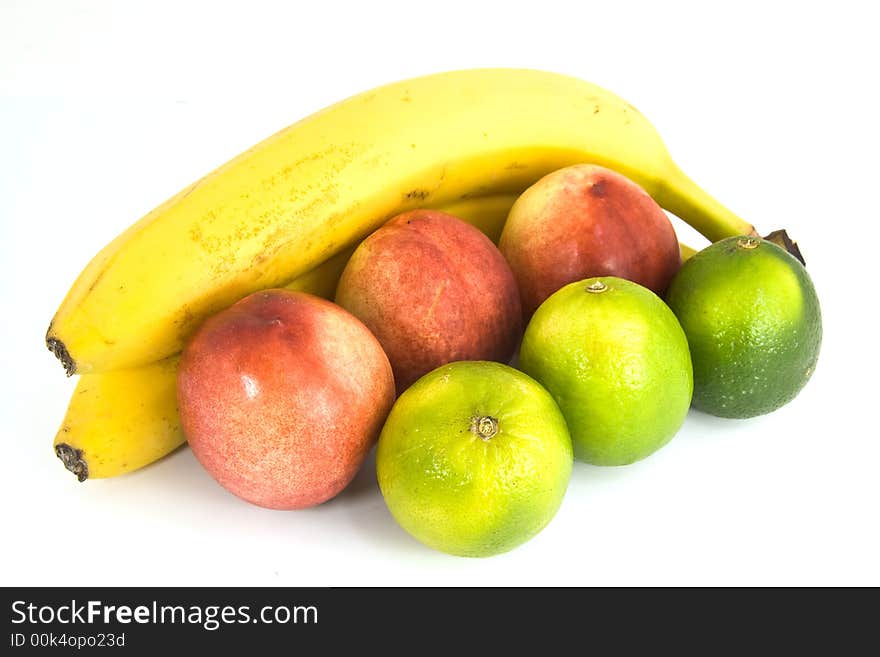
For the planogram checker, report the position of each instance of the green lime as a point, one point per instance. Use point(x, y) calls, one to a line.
point(752, 319)
point(615, 359)
point(474, 459)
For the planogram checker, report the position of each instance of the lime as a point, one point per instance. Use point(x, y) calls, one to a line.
point(474, 459)
point(615, 359)
point(752, 319)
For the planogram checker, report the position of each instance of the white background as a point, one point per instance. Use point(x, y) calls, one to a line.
point(108, 108)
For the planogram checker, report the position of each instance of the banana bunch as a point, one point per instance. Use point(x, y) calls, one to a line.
point(289, 212)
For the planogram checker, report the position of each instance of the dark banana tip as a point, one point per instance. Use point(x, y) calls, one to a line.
point(57, 347)
point(781, 238)
point(73, 460)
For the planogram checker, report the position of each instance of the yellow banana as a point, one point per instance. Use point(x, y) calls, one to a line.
point(316, 188)
point(687, 252)
point(122, 420)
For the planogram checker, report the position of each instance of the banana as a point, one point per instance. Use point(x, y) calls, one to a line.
point(319, 186)
point(687, 252)
point(122, 420)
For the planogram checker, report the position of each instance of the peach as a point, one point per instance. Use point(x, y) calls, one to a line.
point(584, 221)
point(281, 397)
point(433, 289)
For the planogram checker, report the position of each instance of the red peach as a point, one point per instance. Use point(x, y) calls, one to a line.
point(433, 289)
point(281, 397)
point(584, 221)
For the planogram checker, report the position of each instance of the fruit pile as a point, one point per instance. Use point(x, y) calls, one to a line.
point(371, 273)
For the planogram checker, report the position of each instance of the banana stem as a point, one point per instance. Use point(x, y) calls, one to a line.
point(688, 201)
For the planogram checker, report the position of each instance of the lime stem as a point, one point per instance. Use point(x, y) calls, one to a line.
point(484, 426)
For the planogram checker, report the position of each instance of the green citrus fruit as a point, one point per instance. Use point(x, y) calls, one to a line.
point(615, 359)
point(474, 459)
point(752, 319)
